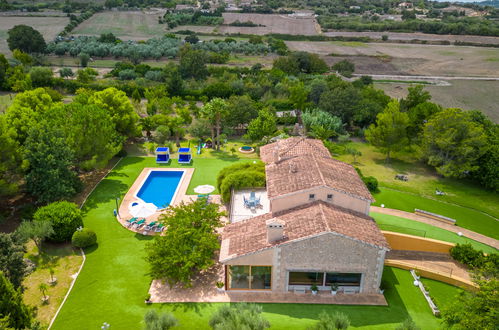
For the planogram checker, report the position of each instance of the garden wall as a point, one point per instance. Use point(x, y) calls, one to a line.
point(398, 241)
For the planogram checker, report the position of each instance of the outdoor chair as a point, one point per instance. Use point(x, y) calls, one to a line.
point(130, 222)
point(150, 225)
point(138, 224)
point(159, 228)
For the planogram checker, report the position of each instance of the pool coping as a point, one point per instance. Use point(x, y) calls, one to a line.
point(130, 196)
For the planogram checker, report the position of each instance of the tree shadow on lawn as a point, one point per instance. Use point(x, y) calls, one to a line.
point(187, 306)
point(404, 167)
point(359, 315)
point(127, 161)
point(108, 190)
point(51, 254)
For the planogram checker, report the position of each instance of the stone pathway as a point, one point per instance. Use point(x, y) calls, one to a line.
point(438, 262)
point(467, 233)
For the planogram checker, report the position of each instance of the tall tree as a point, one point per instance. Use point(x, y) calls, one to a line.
point(215, 111)
point(26, 39)
point(12, 259)
point(49, 176)
point(263, 125)
point(241, 110)
point(192, 63)
point(452, 142)
point(13, 311)
point(26, 111)
point(120, 108)
point(342, 101)
point(9, 159)
point(416, 95)
point(390, 131)
point(89, 131)
point(188, 245)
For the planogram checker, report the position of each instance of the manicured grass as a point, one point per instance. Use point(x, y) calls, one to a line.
point(65, 261)
point(464, 201)
point(440, 292)
point(467, 218)
point(114, 281)
point(407, 226)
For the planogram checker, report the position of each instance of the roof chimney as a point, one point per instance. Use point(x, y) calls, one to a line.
point(275, 230)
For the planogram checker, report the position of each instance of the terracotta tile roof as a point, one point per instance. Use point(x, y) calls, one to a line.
point(308, 220)
point(291, 147)
point(305, 172)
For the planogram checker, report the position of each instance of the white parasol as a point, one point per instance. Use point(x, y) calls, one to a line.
point(204, 189)
point(143, 210)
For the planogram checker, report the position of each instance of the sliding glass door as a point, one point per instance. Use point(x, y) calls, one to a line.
point(249, 277)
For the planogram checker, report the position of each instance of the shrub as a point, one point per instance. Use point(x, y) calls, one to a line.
point(408, 324)
point(41, 76)
point(246, 175)
point(128, 74)
point(466, 254)
point(332, 321)
point(371, 183)
point(66, 72)
point(345, 68)
point(84, 238)
point(65, 217)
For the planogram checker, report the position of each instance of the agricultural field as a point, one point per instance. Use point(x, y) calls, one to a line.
point(413, 59)
point(465, 94)
point(132, 25)
point(49, 27)
point(416, 35)
point(282, 24)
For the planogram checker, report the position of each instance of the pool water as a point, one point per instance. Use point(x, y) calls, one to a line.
point(160, 187)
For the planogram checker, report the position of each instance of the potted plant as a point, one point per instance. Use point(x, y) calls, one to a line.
point(314, 288)
point(334, 288)
point(220, 286)
point(148, 299)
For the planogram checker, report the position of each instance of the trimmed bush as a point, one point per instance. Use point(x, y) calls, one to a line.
point(84, 238)
point(371, 183)
point(65, 217)
point(245, 175)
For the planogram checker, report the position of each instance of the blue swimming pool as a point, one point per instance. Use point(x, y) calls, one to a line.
point(160, 187)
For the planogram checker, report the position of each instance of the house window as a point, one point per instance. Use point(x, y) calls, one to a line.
point(324, 279)
point(306, 278)
point(311, 197)
point(249, 277)
point(343, 279)
point(329, 197)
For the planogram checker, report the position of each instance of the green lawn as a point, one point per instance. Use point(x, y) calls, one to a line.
point(406, 226)
point(473, 207)
point(114, 281)
point(467, 218)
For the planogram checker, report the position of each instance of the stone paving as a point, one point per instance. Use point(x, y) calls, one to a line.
point(438, 262)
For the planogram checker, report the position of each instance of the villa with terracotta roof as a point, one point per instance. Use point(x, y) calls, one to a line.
point(317, 231)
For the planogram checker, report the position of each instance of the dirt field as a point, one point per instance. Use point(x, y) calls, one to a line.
point(414, 59)
point(272, 24)
point(464, 94)
point(419, 36)
point(49, 27)
point(133, 25)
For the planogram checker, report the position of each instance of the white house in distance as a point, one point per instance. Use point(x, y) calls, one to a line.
point(318, 230)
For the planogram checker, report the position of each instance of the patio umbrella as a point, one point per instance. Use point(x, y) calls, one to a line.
point(204, 189)
point(143, 210)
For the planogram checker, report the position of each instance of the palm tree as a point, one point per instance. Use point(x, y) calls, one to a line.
point(214, 111)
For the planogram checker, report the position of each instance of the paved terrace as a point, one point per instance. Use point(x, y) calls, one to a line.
point(239, 212)
point(180, 197)
point(204, 290)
